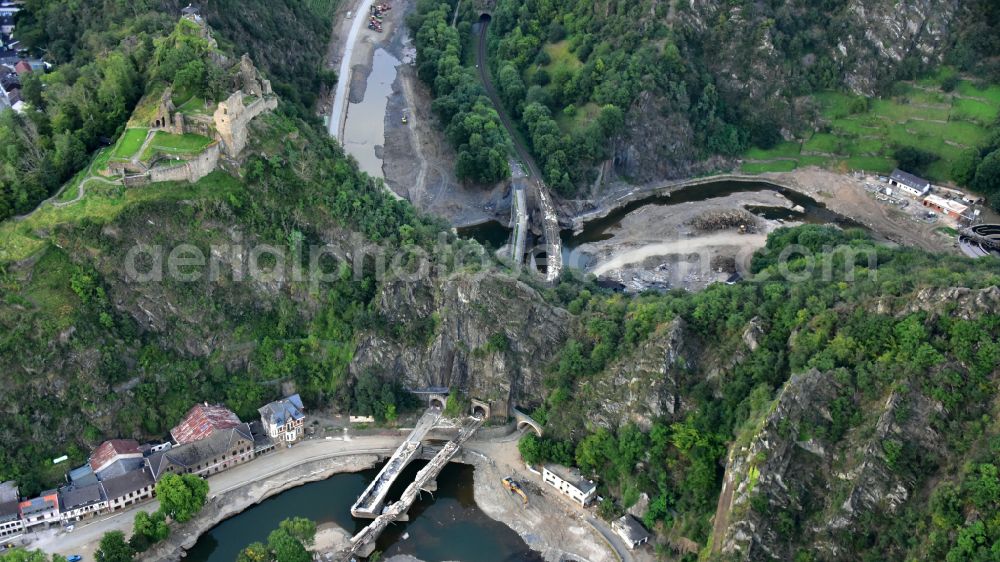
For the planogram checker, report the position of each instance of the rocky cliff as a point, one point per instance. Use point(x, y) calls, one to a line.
point(491, 336)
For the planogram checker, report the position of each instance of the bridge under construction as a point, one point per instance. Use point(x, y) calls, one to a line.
point(371, 501)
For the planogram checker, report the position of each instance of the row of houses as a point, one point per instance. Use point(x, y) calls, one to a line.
point(121, 472)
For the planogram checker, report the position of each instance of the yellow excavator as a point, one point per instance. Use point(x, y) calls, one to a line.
point(513, 486)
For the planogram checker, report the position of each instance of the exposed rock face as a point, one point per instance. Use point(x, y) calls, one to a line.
point(888, 32)
point(659, 143)
point(644, 386)
point(474, 315)
point(789, 469)
point(866, 39)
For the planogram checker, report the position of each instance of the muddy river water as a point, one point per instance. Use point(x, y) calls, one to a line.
point(494, 233)
point(364, 129)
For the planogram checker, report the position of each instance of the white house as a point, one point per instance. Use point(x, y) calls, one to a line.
point(570, 482)
point(284, 419)
point(909, 183)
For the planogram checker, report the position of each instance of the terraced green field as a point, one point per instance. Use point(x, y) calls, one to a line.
point(864, 134)
point(171, 144)
point(129, 143)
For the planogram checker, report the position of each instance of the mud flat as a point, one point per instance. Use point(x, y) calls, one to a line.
point(687, 245)
point(418, 162)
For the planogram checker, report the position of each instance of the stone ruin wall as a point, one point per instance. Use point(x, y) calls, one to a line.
point(189, 170)
point(232, 119)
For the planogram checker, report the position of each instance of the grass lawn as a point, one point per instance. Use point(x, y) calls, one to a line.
point(194, 106)
point(775, 166)
point(782, 150)
point(101, 204)
point(919, 116)
point(974, 110)
point(582, 117)
point(129, 143)
point(989, 93)
point(168, 143)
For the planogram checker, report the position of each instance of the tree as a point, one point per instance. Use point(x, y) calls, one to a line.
point(255, 552)
point(113, 548)
point(301, 528)
point(22, 555)
point(287, 548)
point(181, 496)
point(988, 178)
point(148, 530)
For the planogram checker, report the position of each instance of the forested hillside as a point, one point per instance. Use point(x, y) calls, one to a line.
point(662, 88)
point(105, 59)
point(466, 114)
point(854, 416)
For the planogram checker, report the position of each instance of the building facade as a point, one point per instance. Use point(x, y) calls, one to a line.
point(284, 420)
point(129, 489)
point(630, 531)
point(570, 482)
point(947, 207)
point(42, 510)
point(82, 502)
point(909, 183)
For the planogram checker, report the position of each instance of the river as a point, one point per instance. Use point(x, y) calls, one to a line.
point(603, 229)
point(447, 526)
point(364, 129)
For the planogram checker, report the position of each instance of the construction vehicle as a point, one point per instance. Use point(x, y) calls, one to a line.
point(515, 488)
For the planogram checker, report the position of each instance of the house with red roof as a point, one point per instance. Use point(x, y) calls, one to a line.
point(116, 457)
point(201, 421)
point(22, 67)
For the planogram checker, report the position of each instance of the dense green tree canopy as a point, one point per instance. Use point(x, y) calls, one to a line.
point(181, 496)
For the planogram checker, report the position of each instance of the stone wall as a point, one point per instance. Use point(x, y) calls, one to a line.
point(190, 170)
point(232, 118)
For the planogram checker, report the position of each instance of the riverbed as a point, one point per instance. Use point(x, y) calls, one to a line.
point(364, 129)
point(647, 243)
point(444, 526)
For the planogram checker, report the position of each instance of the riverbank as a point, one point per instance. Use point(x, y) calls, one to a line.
point(549, 524)
point(843, 194)
point(226, 504)
point(685, 245)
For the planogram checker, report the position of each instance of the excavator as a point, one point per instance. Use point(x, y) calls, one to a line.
point(513, 486)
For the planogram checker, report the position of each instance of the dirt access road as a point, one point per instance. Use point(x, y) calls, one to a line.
point(539, 195)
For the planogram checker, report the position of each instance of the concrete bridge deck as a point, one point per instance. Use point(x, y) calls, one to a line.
point(363, 543)
point(369, 504)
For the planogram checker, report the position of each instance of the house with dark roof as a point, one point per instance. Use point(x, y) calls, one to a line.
point(82, 476)
point(220, 450)
point(10, 513)
point(284, 419)
point(201, 421)
point(128, 489)
point(630, 531)
point(77, 502)
point(909, 183)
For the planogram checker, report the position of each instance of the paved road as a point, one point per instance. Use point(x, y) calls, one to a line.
point(344, 76)
point(87, 534)
point(544, 199)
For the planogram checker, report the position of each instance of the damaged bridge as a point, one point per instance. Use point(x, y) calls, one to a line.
point(363, 543)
